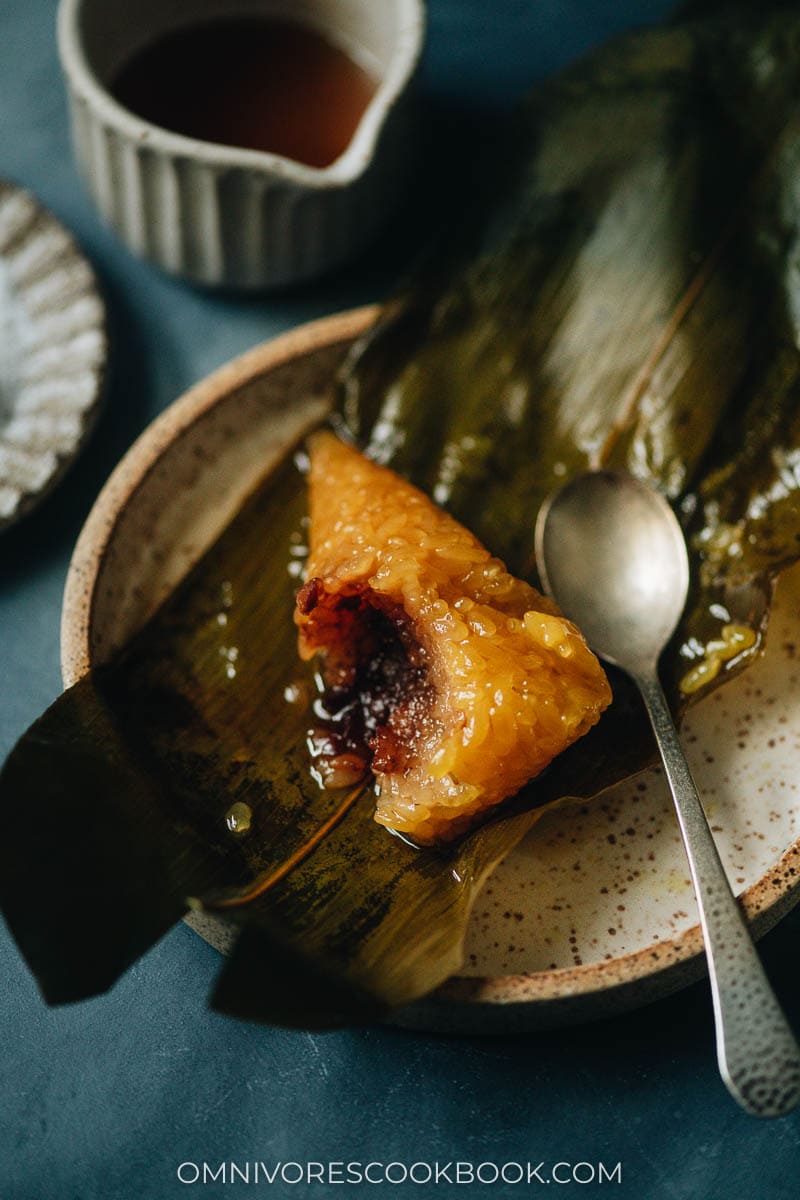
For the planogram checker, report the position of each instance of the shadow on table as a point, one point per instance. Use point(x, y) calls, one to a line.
point(654, 1052)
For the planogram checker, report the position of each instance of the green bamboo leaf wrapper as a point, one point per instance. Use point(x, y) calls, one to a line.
point(624, 293)
point(630, 300)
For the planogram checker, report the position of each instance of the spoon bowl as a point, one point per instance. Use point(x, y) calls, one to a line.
point(643, 574)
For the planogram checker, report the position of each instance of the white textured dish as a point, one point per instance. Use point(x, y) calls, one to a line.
point(53, 350)
point(593, 913)
point(217, 214)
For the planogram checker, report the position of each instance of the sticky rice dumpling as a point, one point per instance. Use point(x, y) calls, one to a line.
point(449, 679)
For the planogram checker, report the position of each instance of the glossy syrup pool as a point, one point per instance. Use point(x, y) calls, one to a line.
point(596, 881)
point(251, 82)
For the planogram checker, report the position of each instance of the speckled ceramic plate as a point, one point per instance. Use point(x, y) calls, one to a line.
point(52, 351)
point(594, 912)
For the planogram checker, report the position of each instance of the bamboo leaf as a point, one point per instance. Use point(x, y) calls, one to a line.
point(630, 300)
point(93, 869)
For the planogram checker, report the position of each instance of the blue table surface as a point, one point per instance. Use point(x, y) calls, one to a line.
point(104, 1100)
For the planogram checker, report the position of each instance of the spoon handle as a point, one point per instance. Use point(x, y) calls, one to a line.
point(758, 1056)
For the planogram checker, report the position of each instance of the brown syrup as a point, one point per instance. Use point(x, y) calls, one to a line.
point(250, 82)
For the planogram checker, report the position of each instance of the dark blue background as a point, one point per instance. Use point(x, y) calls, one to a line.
point(103, 1100)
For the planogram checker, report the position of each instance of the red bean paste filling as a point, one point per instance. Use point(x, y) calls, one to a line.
point(375, 707)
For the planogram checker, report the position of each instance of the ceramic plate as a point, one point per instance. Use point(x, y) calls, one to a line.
point(594, 912)
point(52, 351)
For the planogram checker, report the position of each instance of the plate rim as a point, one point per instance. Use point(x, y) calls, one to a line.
point(463, 1002)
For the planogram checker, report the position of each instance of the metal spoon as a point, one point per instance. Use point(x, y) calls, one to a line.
point(612, 554)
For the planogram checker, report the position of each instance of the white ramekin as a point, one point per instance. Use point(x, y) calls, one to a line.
point(220, 215)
